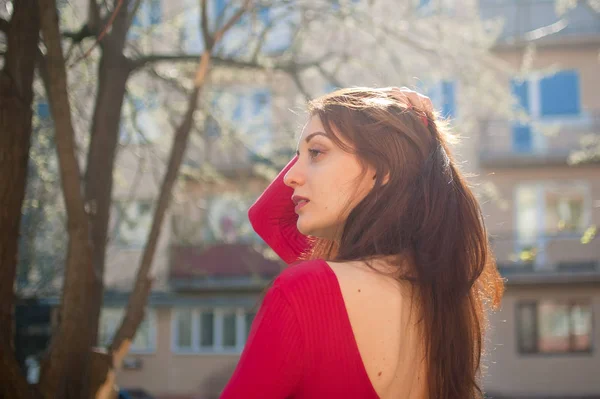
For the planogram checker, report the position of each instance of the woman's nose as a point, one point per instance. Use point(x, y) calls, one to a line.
point(293, 177)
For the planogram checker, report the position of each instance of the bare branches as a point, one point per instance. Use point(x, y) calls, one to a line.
point(232, 21)
point(288, 66)
point(101, 35)
point(159, 58)
point(208, 40)
point(83, 33)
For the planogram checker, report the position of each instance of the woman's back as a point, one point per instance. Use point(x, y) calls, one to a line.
point(386, 330)
point(317, 336)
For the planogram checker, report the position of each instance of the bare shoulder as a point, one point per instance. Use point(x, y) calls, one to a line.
point(375, 278)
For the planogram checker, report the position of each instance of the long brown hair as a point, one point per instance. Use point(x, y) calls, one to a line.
point(422, 211)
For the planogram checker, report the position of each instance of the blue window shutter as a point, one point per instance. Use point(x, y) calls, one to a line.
point(522, 140)
point(263, 14)
point(137, 20)
point(449, 99)
point(155, 12)
point(261, 100)
point(560, 94)
point(220, 6)
point(423, 3)
point(43, 110)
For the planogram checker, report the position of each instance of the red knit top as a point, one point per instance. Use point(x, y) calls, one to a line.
point(301, 344)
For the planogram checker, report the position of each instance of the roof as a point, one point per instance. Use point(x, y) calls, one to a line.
point(221, 261)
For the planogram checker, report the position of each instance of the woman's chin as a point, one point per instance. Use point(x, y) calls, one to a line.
point(311, 230)
point(303, 228)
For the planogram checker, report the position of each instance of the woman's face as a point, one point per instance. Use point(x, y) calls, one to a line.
point(327, 182)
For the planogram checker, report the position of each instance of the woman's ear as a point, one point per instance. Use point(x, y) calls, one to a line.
point(385, 180)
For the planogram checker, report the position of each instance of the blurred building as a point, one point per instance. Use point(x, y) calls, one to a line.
point(540, 210)
point(544, 342)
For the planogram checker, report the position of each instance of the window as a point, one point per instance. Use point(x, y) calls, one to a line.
point(44, 117)
point(207, 329)
point(546, 212)
point(559, 94)
point(145, 337)
point(522, 140)
point(544, 99)
point(43, 110)
point(550, 209)
point(148, 14)
point(184, 320)
point(552, 326)
point(248, 111)
point(565, 209)
point(133, 222)
point(249, 319)
point(443, 97)
point(210, 330)
point(229, 321)
point(191, 37)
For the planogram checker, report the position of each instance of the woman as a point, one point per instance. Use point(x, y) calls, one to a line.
point(390, 266)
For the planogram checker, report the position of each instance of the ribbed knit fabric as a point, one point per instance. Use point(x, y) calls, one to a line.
point(273, 218)
point(301, 344)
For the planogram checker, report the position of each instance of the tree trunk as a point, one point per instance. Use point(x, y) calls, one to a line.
point(65, 371)
point(113, 74)
point(16, 96)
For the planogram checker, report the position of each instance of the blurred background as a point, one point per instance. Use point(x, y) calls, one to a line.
point(136, 134)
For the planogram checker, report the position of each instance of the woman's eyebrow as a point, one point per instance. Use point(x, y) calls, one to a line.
point(310, 136)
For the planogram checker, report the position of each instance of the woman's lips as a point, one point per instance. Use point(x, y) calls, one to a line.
point(300, 205)
point(299, 201)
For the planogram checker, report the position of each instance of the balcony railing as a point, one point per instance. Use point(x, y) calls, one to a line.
point(521, 17)
point(544, 142)
point(558, 257)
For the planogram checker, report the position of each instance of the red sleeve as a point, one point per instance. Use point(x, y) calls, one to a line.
point(272, 216)
point(271, 365)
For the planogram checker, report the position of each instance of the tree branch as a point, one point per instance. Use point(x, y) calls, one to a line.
point(208, 39)
point(70, 346)
point(232, 21)
point(83, 33)
point(227, 62)
point(158, 58)
point(101, 35)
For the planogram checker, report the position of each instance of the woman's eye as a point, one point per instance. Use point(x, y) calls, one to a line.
point(313, 153)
